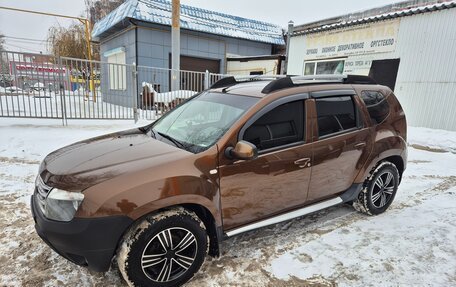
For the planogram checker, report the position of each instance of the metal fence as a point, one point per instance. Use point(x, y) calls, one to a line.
point(46, 86)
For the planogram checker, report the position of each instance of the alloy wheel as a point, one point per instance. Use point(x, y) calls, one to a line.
point(383, 189)
point(169, 254)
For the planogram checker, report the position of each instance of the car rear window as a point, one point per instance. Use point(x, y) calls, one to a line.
point(335, 114)
point(376, 104)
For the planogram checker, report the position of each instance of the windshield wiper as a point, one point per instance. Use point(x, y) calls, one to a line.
point(173, 140)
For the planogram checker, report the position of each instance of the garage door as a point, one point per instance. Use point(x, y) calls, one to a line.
point(191, 81)
point(199, 64)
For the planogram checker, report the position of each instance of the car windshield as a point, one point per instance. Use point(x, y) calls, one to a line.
point(198, 123)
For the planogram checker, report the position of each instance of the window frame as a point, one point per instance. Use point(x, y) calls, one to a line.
point(339, 93)
point(269, 107)
point(385, 99)
point(315, 62)
point(117, 71)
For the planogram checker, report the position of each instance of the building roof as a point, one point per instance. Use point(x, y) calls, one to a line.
point(401, 9)
point(192, 18)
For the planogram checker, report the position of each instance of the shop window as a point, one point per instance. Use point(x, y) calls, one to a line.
point(324, 67)
point(376, 104)
point(330, 67)
point(335, 114)
point(309, 69)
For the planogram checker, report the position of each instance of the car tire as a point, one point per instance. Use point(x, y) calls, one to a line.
point(378, 190)
point(164, 249)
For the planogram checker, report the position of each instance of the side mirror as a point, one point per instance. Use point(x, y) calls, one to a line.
point(243, 150)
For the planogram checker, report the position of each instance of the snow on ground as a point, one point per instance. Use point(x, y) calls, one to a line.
point(76, 105)
point(438, 140)
point(413, 243)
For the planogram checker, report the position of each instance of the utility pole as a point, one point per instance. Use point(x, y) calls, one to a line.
point(175, 46)
point(86, 22)
point(290, 31)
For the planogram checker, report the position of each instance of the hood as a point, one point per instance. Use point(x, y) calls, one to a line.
point(89, 162)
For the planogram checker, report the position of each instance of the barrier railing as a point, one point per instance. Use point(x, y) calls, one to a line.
point(47, 86)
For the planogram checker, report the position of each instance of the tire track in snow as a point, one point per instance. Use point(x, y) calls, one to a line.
point(17, 160)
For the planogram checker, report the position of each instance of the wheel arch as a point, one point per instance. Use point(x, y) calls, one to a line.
point(398, 162)
point(390, 148)
point(205, 214)
point(214, 232)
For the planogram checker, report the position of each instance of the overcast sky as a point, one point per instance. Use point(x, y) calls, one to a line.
point(35, 27)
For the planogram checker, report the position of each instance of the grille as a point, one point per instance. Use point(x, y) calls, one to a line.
point(41, 192)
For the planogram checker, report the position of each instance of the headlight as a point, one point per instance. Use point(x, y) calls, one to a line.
point(62, 205)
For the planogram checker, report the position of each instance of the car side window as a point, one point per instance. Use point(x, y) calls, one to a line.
point(281, 126)
point(376, 104)
point(335, 114)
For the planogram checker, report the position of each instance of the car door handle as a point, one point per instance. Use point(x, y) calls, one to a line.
point(303, 162)
point(360, 145)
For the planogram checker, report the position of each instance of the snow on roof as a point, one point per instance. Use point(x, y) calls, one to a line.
point(305, 29)
point(192, 18)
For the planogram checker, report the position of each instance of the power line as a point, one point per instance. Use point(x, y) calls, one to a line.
point(25, 48)
point(19, 38)
point(26, 42)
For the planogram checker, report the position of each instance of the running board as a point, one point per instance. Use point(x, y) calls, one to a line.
point(287, 216)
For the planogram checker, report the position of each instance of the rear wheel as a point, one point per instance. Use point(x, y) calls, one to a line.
point(165, 249)
point(379, 189)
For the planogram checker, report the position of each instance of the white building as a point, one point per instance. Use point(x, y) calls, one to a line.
point(409, 46)
point(255, 65)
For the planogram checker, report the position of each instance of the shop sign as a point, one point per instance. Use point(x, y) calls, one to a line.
point(38, 71)
point(376, 37)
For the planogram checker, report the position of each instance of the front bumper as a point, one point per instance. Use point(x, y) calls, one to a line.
point(89, 242)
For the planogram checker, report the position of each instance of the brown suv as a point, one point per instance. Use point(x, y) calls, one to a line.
point(239, 156)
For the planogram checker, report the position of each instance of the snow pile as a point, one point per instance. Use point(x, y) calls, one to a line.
point(432, 139)
point(11, 89)
point(170, 96)
point(167, 97)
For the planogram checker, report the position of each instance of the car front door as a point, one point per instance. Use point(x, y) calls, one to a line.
point(277, 180)
point(341, 144)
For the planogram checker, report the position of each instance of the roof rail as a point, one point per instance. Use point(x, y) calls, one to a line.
point(330, 77)
point(296, 81)
point(231, 80)
point(260, 77)
point(279, 82)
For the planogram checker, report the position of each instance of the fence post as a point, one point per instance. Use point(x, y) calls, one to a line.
point(206, 80)
point(135, 91)
point(62, 90)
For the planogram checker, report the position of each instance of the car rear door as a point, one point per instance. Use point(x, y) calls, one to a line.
point(341, 143)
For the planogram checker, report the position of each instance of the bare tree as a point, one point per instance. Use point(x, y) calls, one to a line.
point(97, 9)
point(68, 42)
point(71, 41)
point(5, 78)
point(2, 42)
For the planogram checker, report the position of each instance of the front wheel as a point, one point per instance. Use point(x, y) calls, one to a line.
point(164, 249)
point(379, 189)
